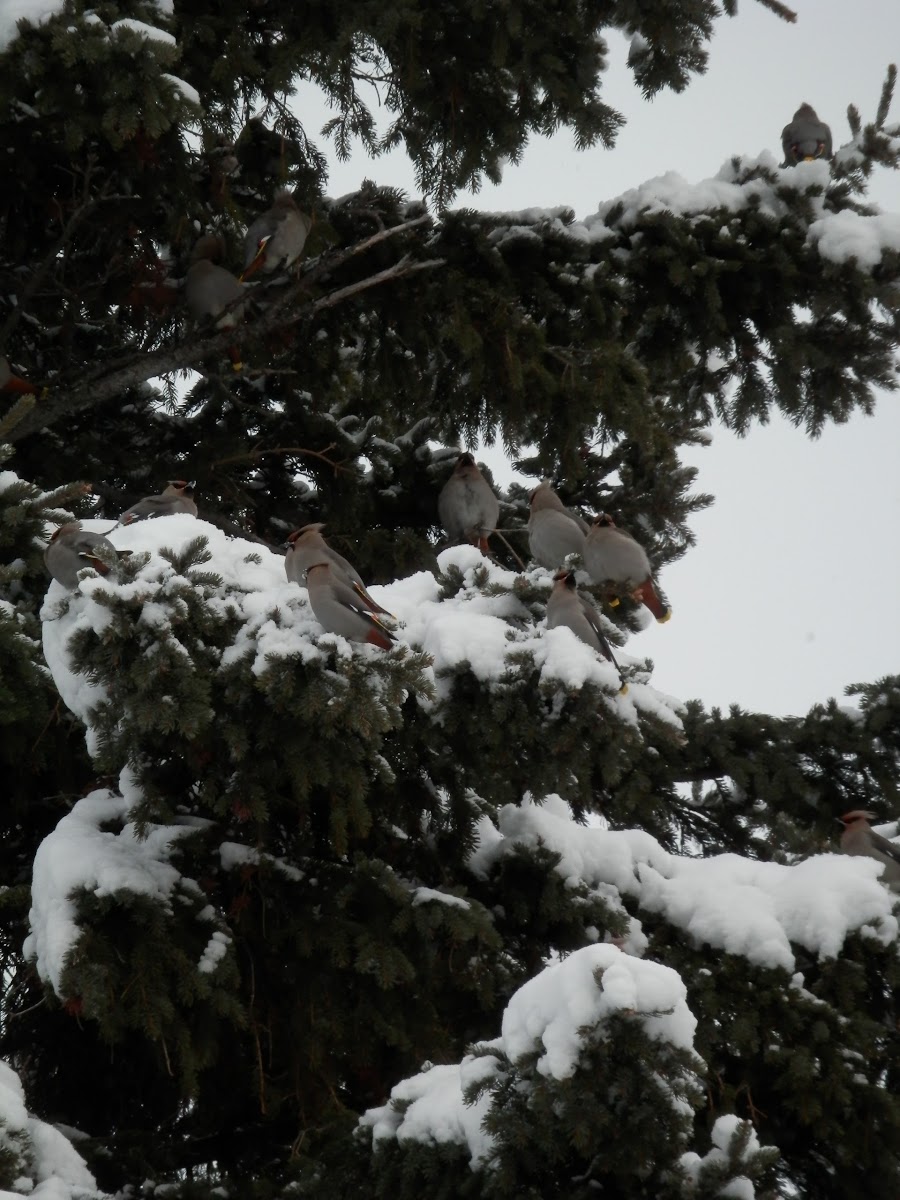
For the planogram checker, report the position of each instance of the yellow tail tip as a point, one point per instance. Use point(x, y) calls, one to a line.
point(623, 690)
point(614, 602)
point(662, 620)
point(237, 366)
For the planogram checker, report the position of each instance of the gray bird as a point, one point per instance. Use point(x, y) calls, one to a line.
point(214, 294)
point(175, 498)
point(613, 556)
point(468, 508)
point(806, 138)
point(72, 548)
point(553, 531)
point(277, 237)
point(859, 838)
point(339, 609)
point(306, 547)
point(567, 607)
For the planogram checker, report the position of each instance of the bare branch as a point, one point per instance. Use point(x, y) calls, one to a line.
point(138, 368)
point(300, 451)
point(40, 274)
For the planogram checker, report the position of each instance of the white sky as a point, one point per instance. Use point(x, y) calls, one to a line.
point(770, 609)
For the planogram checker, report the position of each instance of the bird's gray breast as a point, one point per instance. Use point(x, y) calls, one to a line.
point(466, 506)
point(552, 535)
point(612, 555)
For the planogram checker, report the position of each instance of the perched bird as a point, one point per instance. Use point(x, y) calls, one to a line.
point(806, 138)
point(553, 531)
point(212, 292)
point(13, 383)
point(468, 508)
point(613, 556)
point(860, 838)
point(175, 498)
point(277, 237)
point(72, 548)
point(339, 609)
point(567, 607)
point(306, 547)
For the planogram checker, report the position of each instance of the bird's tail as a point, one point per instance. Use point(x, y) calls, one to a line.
point(379, 635)
point(20, 386)
point(649, 595)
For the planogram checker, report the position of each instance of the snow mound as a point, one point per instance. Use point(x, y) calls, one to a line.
point(554, 1014)
point(49, 1166)
point(81, 855)
point(758, 910)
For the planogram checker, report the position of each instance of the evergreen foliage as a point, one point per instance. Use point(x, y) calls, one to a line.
point(315, 867)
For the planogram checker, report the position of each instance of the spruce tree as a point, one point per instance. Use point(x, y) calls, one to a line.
point(285, 915)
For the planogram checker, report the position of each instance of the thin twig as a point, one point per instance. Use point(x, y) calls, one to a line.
point(509, 548)
point(253, 455)
point(23, 1012)
point(39, 275)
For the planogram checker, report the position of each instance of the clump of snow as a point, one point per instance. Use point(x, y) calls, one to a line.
point(724, 1129)
point(50, 1167)
point(216, 949)
point(849, 235)
point(188, 91)
point(427, 895)
point(552, 1010)
point(759, 183)
point(233, 855)
point(36, 11)
point(744, 907)
point(434, 1110)
point(142, 29)
point(80, 854)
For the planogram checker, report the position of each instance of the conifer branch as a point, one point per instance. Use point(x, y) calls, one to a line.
point(780, 10)
point(887, 95)
point(138, 369)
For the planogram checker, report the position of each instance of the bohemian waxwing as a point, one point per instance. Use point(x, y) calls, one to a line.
point(468, 508)
point(13, 383)
point(212, 292)
point(339, 609)
point(553, 531)
point(176, 498)
point(806, 138)
point(613, 556)
point(859, 838)
point(567, 607)
point(277, 237)
point(72, 548)
point(306, 547)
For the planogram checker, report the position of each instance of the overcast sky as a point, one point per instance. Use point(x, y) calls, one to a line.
point(791, 592)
